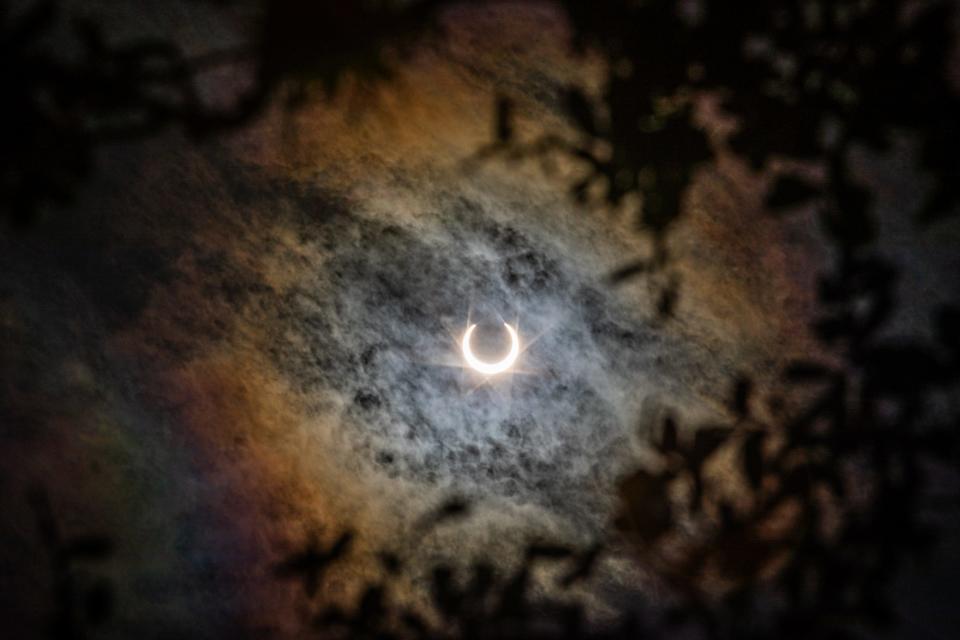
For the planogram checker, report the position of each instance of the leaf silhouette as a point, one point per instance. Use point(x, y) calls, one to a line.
point(807, 371)
point(668, 435)
point(504, 120)
point(646, 507)
point(447, 596)
point(583, 567)
point(707, 440)
point(667, 302)
point(790, 191)
point(99, 603)
point(629, 271)
point(548, 551)
point(88, 547)
point(452, 509)
point(753, 458)
point(310, 564)
point(580, 110)
point(948, 327)
point(741, 397)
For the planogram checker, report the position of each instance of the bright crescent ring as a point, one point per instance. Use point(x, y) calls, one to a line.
point(491, 368)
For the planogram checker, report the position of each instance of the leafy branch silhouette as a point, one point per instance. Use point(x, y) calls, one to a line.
point(78, 607)
point(833, 479)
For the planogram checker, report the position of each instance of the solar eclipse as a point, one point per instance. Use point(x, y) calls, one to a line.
point(325, 338)
point(491, 368)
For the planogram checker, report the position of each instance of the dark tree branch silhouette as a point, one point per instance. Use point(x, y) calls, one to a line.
point(806, 81)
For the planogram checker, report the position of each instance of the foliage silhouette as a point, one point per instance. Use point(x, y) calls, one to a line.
point(61, 108)
point(78, 607)
point(802, 554)
point(309, 564)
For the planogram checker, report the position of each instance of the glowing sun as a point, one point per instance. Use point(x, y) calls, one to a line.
point(491, 368)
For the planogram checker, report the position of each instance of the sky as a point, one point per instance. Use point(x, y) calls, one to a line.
point(224, 347)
